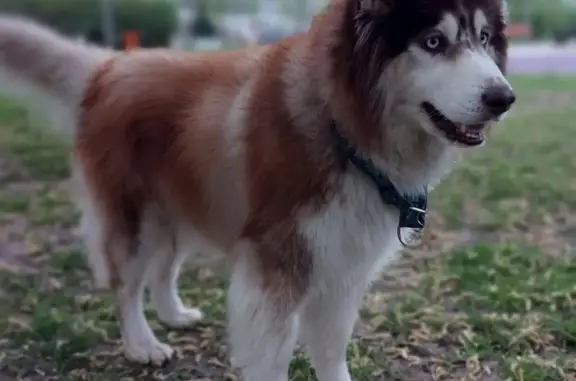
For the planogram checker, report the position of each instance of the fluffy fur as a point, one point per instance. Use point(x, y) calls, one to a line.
point(230, 152)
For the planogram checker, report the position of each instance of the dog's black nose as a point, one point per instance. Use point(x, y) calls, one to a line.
point(498, 99)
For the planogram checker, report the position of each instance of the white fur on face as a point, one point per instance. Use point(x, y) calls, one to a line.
point(449, 27)
point(480, 21)
point(454, 85)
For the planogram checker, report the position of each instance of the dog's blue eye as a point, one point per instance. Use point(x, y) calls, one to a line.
point(484, 38)
point(434, 43)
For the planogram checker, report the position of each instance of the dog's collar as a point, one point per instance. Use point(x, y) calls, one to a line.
point(412, 208)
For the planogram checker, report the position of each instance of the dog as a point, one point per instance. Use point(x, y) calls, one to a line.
point(299, 162)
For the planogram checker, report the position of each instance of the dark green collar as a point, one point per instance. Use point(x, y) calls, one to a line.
point(412, 208)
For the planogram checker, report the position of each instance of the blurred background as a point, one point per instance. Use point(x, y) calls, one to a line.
point(541, 30)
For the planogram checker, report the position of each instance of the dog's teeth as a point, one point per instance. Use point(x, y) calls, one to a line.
point(474, 134)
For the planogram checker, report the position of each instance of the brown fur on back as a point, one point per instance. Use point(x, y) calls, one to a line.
point(211, 141)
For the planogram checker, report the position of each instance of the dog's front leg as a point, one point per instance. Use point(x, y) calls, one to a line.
point(263, 327)
point(326, 328)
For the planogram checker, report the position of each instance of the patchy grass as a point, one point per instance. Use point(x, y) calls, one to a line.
point(493, 296)
point(487, 312)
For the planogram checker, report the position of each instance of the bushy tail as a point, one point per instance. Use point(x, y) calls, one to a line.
point(36, 61)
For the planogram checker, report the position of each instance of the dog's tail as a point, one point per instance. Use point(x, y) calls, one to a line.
point(36, 62)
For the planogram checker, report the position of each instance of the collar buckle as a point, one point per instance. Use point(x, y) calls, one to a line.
point(417, 210)
point(418, 216)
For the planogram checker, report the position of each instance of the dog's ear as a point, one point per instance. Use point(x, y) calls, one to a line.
point(376, 6)
point(370, 26)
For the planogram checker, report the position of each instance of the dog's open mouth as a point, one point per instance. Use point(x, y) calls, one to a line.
point(470, 135)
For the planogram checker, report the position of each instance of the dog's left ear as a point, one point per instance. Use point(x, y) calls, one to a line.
point(505, 11)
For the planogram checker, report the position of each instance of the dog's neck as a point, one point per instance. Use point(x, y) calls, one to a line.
point(409, 157)
point(412, 158)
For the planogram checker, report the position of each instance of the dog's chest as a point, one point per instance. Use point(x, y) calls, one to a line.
point(354, 237)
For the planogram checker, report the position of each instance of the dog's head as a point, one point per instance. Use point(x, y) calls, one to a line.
point(438, 64)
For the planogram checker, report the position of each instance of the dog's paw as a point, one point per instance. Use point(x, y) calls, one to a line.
point(150, 352)
point(185, 317)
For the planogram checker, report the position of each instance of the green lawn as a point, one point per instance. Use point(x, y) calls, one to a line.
point(492, 296)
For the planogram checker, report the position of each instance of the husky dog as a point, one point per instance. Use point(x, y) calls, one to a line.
point(298, 161)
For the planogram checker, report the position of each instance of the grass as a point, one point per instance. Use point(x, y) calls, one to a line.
point(491, 297)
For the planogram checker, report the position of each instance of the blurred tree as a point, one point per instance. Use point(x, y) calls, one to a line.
point(203, 25)
point(549, 18)
point(156, 20)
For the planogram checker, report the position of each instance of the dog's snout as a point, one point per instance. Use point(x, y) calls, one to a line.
point(498, 99)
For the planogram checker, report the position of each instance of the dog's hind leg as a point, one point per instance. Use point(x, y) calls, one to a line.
point(91, 229)
point(119, 262)
point(164, 268)
point(140, 343)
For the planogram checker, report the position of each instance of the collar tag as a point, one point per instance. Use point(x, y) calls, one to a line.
point(411, 224)
point(410, 238)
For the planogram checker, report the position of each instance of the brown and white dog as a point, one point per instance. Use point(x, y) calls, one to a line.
point(233, 152)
